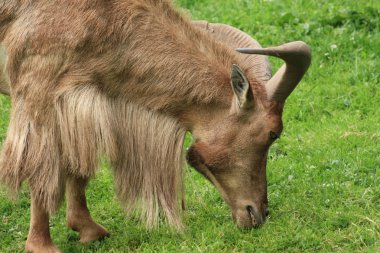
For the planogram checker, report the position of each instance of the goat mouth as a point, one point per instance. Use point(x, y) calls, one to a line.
point(256, 219)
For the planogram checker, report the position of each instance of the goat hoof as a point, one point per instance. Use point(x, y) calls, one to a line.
point(34, 247)
point(92, 233)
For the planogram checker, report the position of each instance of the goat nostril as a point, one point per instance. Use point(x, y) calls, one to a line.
point(266, 212)
point(250, 210)
point(252, 214)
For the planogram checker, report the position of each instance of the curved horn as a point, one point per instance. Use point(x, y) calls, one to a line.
point(232, 37)
point(297, 57)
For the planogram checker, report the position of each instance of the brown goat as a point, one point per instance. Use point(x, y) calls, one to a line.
point(126, 79)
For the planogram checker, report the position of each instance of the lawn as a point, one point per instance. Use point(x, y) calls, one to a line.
point(324, 172)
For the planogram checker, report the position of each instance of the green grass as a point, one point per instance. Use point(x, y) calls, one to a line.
point(324, 173)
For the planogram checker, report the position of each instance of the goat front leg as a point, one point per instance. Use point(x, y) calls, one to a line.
point(39, 240)
point(77, 213)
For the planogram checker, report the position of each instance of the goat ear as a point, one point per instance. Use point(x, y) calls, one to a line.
point(241, 88)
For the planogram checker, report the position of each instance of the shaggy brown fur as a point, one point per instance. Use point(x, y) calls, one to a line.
point(100, 88)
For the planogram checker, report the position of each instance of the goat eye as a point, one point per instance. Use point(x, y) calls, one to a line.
point(273, 136)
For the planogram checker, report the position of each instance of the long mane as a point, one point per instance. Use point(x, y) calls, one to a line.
point(144, 147)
